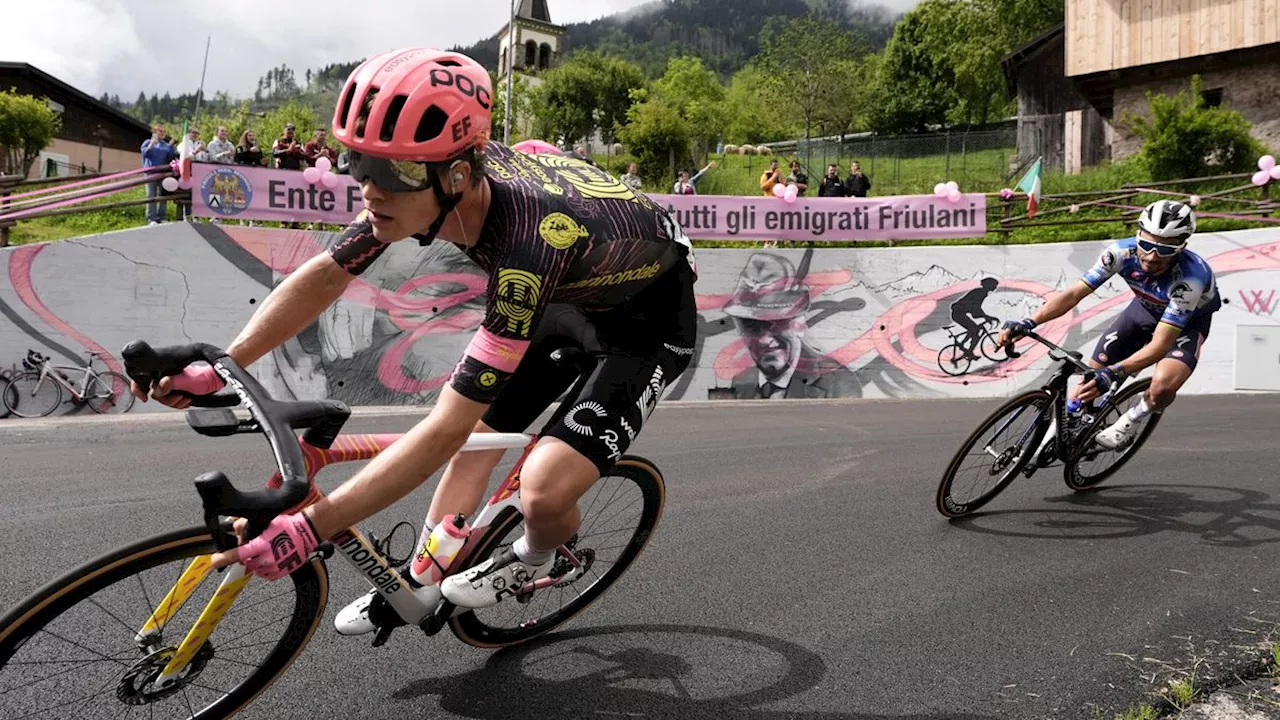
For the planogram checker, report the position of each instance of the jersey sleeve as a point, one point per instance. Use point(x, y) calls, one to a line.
point(1184, 300)
point(356, 250)
point(1108, 264)
point(517, 298)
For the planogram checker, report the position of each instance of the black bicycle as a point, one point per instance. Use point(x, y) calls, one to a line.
point(1012, 439)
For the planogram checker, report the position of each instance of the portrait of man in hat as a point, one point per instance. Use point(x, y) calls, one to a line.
point(768, 308)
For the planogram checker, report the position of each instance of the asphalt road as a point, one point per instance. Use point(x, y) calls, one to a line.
point(800, 570)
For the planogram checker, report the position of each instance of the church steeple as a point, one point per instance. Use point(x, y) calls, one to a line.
point(536, 43)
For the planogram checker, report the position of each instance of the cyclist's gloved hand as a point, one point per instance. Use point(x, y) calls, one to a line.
point(1108, 377)
point(1018, 328)
point(282, 548)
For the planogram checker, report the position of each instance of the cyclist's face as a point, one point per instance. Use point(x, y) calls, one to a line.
point(397, 215)
point(1153, 262)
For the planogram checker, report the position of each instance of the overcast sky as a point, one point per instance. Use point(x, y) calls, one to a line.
point(127, 46)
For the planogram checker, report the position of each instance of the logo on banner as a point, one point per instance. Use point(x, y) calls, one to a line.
point(227, 191)
point(1259, 305)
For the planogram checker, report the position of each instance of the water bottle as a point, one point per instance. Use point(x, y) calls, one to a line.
point(1073, 406)
point(437, 549)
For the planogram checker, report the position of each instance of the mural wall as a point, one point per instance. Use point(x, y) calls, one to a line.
point(775, 323)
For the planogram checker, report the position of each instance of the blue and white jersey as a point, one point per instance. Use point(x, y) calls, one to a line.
point(1186, 290)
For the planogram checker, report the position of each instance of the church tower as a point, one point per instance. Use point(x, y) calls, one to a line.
point(536, 43)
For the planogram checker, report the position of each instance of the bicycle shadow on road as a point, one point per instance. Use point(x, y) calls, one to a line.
point(640, 672)
point(1229, 517)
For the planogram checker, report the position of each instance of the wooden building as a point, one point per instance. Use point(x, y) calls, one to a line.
point(1111, 53)
point(93, 135)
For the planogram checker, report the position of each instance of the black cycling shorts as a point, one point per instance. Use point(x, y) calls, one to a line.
point(1133, 328)
point(641, 348)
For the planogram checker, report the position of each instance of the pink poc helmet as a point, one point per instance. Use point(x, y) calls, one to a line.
point(403, 111)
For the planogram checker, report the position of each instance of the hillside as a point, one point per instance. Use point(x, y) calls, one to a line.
point(724, 33)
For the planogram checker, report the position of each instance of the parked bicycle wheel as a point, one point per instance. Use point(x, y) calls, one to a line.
point(1091, 463)
point(109, 394)
point(8, 396)
point(619, 514)
point(69, 650)
point(36, 397)
point(953, 360)
point(1007, 438)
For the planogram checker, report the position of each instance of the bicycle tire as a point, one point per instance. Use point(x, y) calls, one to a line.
point(472, 630)
point(28, 404)
point(118, 386)
point(1071, 469)
point(311, 584)
point(947, 505)
point(990, 348)
point(8, 395)
point(954, 354)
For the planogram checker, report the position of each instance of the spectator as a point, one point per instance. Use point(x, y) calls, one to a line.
point(770, 177)
point(247, 151)
point(318, 148)
point(832, 185)
point(157, 152)
point(798, 178)
point(581, 152)
point(857, 184)
point(632, 178)
point(287, 151)
point(221, 150)
point(685, 184)
point(343, 165)
point(191, 148)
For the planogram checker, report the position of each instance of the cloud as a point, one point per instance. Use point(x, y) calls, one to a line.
point(127, 46)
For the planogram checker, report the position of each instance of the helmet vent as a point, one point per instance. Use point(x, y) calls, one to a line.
point(346, 106)
point(431, 125)
point(392, 117)
point(449, 63)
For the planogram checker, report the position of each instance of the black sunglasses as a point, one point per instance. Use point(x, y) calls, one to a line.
point(1160, 248)
point(390, 175)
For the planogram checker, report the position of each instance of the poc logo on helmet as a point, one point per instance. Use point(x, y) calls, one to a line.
point(442, 77)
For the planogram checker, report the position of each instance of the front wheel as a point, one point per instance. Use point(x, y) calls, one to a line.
point(93, 642)
point(1091, 463)
point(109, 393)
point(33, 396)
point(619, 515)
point(1006, 440)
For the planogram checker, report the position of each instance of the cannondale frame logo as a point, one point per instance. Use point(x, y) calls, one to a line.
point(572, 422)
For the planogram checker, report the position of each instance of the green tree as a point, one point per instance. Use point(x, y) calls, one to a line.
point(521, 103)
point(914, 87)
point(589, 92)
point(1185, 138)
point(656, 135)
point(800, 57)
point(756, 112)
point(696, 94)
point(27, 126)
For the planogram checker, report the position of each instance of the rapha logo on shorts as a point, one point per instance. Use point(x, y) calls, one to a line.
point(611, 441)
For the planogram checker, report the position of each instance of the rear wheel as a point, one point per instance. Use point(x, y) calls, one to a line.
point(994, 453)
point(33, 396)
point(1091, 463)
point(69, 650)
point(109, 394)
point(8, 396)
point(953, 360)
point(619, 515)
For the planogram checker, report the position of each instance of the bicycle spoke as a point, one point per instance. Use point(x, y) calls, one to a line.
point(123, 624)
point(82, 647)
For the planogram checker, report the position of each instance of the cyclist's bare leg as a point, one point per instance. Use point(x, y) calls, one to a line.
point(464, 481)
point(554, 476)
point(1169, 378)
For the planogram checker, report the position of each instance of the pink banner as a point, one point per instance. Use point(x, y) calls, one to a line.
point(254, 193)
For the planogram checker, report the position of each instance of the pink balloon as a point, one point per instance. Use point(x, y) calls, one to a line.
point(169, 184)
point(792, 193)
point(323, 165)
point(329, 179)
point(1261, 177)
point(779, 190)
point(953, 185)
point(311, 175)
point(1266, 162)
point(940, 190)
point(954, 196)
point(1275, 173)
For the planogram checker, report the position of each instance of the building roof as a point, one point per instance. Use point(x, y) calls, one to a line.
point(1012, 62)
point(534, 10)
point(17, 68)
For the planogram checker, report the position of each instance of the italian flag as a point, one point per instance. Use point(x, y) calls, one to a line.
point(1030, 184)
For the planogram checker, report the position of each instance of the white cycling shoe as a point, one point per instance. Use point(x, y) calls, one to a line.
point(354, 618)
point(1118, 434)
point(487, 583)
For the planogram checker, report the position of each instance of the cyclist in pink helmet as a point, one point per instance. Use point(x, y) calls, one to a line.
point(574, 258)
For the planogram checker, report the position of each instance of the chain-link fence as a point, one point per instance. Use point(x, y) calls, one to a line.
point(977, 159)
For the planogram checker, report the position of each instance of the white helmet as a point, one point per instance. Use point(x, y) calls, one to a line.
point(1169, 220)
